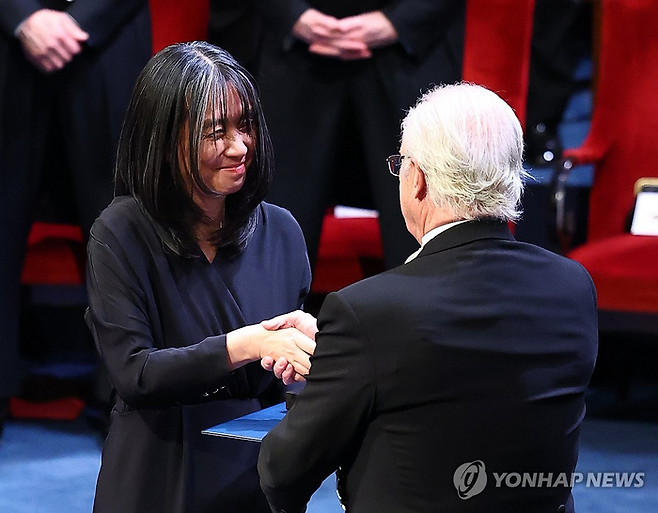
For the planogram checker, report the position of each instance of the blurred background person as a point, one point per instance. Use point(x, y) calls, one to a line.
point(67, 69)
point(336, 77)
point(237, 28)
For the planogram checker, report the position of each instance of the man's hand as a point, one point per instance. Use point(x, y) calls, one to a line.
point(347, 39)
point(50, 39)
point(324, 36)
point(302, 321)
point(282, 370)
point(342, 48)
point(373, 29)
point(316, 27)
point(298, 319)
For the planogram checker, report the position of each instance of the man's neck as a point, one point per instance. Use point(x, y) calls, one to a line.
point(435, 218)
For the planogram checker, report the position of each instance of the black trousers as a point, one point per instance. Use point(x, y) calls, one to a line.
point(561, 36)
point(80, 108)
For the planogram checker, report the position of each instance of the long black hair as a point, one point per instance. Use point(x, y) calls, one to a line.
point(169, 102)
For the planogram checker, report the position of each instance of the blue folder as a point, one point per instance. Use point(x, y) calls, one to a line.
point(252, 427)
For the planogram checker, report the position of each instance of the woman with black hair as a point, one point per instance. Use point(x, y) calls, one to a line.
point(182, 267)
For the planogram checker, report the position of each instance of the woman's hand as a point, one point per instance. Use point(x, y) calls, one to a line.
point(299, 320)
point(254, 342)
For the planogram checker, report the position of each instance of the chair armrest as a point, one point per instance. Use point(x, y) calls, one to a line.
point(563, 223)
point(565, 220)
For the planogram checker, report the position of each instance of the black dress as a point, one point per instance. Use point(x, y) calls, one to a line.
point(159, 322)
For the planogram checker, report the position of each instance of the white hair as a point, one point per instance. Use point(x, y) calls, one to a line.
point(469, 144)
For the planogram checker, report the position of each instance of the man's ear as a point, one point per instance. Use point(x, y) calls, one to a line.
point(420, 184)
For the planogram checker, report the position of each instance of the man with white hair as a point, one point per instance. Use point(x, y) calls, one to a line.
point(433, 382)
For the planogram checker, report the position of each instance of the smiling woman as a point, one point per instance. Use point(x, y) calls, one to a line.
point(226, 152)
point(183, 266)
point(196, 103)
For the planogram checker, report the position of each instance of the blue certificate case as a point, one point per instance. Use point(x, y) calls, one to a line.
point(252, 427)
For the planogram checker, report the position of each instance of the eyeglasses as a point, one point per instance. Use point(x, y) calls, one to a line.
point(394, 163)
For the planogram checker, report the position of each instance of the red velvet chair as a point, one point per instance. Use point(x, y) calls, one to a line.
point(53, 274)
point(173, 21)
point(55, 255)
point(497, 48)
point(350, 249)
point(622, 146)
point(497, 56)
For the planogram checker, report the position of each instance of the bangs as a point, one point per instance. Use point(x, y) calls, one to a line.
point(223, 89)
point(159, 151)
point(216, 89)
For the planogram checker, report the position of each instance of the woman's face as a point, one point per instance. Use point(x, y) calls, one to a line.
point(227, 149)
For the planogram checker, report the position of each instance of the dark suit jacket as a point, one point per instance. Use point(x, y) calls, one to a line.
point(480, 349)
point(237, 28)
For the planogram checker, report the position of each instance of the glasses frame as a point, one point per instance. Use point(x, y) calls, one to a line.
point(394, 163)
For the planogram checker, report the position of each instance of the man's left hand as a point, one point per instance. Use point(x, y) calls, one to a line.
point(373, 29)
point(299, 320)
point(357, 36)
point(282, 370)
point(50, 39)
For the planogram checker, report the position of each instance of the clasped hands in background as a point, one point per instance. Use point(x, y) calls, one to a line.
point(294, 366)
point(348, 38)
point(50, 39)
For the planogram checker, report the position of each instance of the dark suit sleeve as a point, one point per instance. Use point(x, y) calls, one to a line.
point(103, 18)
point(421, 23)
point(329, 417)
point(13, 12)
point(100, 18)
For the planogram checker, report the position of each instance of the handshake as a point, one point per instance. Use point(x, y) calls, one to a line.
point(348, 38)
point(283, 345)
point(294, 369)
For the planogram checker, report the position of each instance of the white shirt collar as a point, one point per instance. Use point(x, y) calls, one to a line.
point(430, 235)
